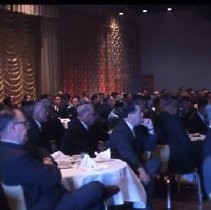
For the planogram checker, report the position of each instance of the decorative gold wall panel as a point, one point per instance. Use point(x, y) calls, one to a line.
point(100, 53)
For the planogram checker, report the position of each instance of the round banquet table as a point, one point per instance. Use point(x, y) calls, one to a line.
point(112, 172)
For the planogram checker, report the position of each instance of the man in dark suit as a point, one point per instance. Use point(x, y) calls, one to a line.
point(72, 108)
point(184, 154)
point(105, 107)
point(37, 113)
point(45, 130)
point(124, 144)
point(78, 138)
point(198, 121)
point(207, 144)
point(40, 178)
point(60, 109)
point(206, 169)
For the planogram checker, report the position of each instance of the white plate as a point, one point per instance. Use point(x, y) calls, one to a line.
point(64, 166)
point(101, 161)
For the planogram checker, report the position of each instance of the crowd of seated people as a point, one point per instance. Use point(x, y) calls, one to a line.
point(39, 177)
point(169, 119)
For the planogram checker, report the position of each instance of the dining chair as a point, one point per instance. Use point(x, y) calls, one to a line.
point(163, 153)
point(15, 197)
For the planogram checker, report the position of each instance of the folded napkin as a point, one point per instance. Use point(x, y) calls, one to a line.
point(59, 155)
point(88, 163)
point(65, 122)
point(103, 156)
point(62, 160)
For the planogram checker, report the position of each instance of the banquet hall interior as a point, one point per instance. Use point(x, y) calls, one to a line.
point(103, 48)
point(126, 48)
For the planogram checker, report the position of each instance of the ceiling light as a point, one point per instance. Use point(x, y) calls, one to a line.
point(169, 9)
point(144, 10)
point(121, 13)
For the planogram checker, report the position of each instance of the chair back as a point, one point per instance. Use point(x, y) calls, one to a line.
point(163, 153)
point(14, 196)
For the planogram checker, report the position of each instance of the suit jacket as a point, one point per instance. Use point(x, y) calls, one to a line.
point(124, 146)
point(53, 129)
point(36, 136)
point(207, 144)
point(196, 124)
point(103, 110)
point(146, 140)
point(176, 135)
point(78, 140)
point(184, 155)
point(72, 112)
point(41, 183)
point(158, 129)
point(62, 112)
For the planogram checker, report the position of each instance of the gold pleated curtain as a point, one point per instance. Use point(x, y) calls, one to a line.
point(19, 58)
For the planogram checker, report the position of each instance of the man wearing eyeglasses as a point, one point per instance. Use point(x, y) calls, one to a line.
point(37, 114)
point(41, 180)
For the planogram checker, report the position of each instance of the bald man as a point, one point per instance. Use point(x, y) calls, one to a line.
point(78, 138)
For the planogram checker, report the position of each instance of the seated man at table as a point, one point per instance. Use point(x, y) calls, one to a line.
point(36, 113)
point(78, 138)
point(198, 121)
point(41, 179)
point(126, 146)
point(185, 155)
point(72, 108)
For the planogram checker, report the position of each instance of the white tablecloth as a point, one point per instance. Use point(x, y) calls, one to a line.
point(115, 172)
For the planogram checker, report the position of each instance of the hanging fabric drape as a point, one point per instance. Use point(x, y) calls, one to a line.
point(19, 55)
point(33, 9)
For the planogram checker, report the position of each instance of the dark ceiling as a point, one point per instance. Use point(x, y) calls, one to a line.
point(155, 8)
point(204, 10)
